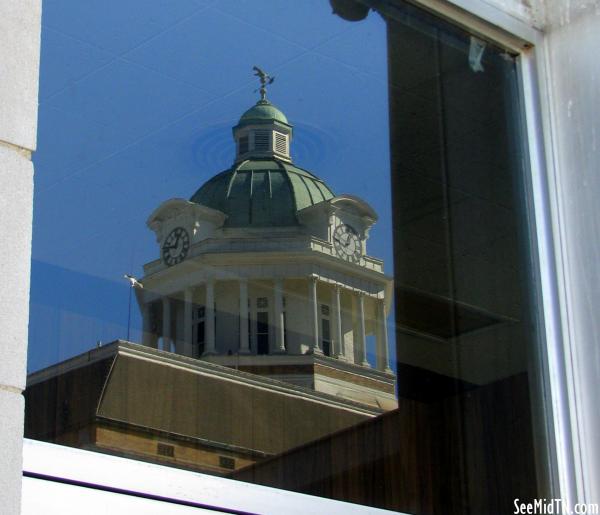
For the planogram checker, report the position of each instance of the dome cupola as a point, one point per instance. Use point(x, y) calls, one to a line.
point(263, 188)
point(263, 130)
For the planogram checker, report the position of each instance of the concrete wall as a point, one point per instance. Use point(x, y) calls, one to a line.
point(19, 62)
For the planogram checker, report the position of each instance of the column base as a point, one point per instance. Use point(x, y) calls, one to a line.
point(318, 352)
point(244, 352)
point(365, 363)
point(388, 370)
point(209, 353)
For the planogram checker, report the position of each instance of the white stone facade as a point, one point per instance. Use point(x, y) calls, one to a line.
point(19, 62)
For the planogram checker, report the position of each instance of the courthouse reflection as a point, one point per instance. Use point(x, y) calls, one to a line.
point(256, 322)
point(264, 352)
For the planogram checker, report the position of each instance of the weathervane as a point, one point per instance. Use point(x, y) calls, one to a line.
point(265, 79)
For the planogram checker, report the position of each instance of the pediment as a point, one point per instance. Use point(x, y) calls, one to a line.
point(355, 206)
point(177, 207)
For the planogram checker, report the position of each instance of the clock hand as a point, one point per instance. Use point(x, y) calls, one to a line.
point(175, 245)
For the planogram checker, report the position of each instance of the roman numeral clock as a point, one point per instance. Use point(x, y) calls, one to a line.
point(176, 246)
point(347, 243)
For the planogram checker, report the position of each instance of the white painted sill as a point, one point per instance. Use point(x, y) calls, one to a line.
point(66, 480)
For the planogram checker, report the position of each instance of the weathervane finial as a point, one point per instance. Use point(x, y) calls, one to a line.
point(265, 80)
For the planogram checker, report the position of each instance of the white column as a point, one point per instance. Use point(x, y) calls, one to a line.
point(383, 358)
point(336, 329)
point(362, 335)
point(279, 324)
point(209, 319)
point(188, 322)
point(313, 307)
point(166, 324)
point(244, 343)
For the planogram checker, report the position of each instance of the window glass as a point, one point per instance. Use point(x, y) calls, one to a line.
point(286, 243)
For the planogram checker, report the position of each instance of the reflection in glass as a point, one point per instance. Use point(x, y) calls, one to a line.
point(270, 335)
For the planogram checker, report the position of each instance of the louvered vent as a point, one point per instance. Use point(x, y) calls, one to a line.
point(261, 140)
point(281, 143)
point(243, 145)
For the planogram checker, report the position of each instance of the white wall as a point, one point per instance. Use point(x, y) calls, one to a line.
point(19, 59)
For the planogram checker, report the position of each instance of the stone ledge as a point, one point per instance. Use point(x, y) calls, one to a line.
point(25, 152)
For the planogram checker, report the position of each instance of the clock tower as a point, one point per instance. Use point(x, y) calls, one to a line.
point(266, 270)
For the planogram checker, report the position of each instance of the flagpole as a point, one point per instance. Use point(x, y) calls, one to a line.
point(129, 312)
point(133, 283)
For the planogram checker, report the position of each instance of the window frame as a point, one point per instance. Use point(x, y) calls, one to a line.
point(558, 456)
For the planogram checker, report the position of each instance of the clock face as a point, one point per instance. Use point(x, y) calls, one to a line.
point(176, 246)
point(347, 243)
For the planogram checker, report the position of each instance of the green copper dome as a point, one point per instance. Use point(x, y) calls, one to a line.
point(262, 193)
point(262, 112)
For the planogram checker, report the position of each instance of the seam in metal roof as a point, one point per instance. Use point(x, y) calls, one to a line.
point(262, 192)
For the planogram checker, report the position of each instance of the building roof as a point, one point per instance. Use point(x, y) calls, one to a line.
point(262, 193)
point(135, 385)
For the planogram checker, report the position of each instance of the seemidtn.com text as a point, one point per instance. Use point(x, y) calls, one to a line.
point(554, 507)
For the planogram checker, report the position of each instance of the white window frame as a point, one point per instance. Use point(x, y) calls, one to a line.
point(65, 480)
point(556, 370)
